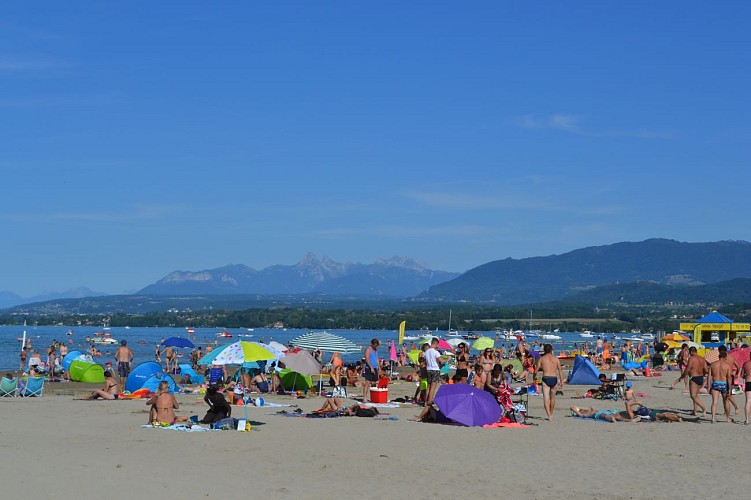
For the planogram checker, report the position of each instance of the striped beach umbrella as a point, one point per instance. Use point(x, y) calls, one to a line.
point(324, 341)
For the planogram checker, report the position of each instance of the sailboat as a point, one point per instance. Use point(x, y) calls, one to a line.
point(452, 333)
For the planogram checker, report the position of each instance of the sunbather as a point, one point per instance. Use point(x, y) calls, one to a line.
point(606, 415)
point(163, 406)
point(110, 390)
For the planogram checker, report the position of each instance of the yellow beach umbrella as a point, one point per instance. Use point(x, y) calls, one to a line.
point(414, 355)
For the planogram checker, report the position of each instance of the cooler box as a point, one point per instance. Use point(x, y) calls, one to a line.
point(383, 383)
point(379, 395)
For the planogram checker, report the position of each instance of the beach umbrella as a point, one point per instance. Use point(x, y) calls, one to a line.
point(711, 355)
point(279, 347)
point(414, 355)
point(442, 344)
point(467, 405)
point(741, 355)
point(291, 380)
point(301, 362)
point(324, 341)
point(178, 342)
point(483, 343)
point(678, 345)
point(392, 351)
point(675, 337)
point(240, 352)
point(455, 342)
point(208, 359)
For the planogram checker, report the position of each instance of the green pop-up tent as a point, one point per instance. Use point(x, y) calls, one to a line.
point(81, 371)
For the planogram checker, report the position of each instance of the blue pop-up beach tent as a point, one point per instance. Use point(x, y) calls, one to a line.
point(141, 373)
point(584, 372)
point(152, 383)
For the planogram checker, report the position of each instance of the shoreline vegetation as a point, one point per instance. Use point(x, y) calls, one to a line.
point(464, 317)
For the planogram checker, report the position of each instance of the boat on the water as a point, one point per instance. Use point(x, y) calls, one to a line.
point(224, 334)
point(103, 338)
point(587, 335)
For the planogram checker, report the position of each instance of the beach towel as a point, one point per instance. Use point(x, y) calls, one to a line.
point(381, 405)
point(513, 425)
point(180, 427)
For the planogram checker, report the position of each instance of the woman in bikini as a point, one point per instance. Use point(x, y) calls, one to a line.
point(486, 360)
point(336, 368)
point(163, 406)
point(110, 390)
point(462, 364)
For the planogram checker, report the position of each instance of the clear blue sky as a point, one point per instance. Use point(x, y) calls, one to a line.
point(138, 138)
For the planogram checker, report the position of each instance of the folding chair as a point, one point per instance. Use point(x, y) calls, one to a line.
point(618, 384)
point(8, 388)
point(34, 387)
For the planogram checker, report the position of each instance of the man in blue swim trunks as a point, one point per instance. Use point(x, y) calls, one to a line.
point(721, 381)
point(552, 377)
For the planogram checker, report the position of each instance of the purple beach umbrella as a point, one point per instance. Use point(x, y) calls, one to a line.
point(467, 405)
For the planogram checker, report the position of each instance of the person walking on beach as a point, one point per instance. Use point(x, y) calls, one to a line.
point(696, 370)
point(721, 383)
point(433, 360)
point(371, 368)
point(682, 360)
point(124, 358)
point(746, 375)
point(552, 377)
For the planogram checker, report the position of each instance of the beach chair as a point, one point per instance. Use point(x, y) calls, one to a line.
point(215, 375)
point(618, 384)
point(34, 387)
point(8, 388)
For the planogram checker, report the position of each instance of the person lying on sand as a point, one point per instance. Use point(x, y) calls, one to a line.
point(110, 390)
point(606, 415)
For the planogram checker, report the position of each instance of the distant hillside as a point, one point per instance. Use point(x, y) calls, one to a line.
point(542, 279)
point(643, 292)
point(10, 299)
point(396, 277)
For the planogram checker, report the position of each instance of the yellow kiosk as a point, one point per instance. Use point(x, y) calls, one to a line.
point(715, 329)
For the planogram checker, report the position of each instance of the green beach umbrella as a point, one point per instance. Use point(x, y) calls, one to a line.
point(483, 343)
point(414, 355)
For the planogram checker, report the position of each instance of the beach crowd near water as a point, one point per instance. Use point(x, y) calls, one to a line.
point(638, 385)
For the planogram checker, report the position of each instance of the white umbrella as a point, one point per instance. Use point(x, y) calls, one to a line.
point(324, 341)
point(301, 362)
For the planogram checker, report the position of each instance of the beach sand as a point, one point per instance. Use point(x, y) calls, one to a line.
point(57, 447)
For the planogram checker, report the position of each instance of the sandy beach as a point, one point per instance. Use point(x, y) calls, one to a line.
point(55, 446)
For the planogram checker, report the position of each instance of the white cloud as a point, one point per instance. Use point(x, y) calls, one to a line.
point(573, 124)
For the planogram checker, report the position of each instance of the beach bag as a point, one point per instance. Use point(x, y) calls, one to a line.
point(225, 424)
point(339, 392)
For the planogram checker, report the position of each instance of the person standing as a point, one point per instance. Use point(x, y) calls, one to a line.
point(721, 383)
point(746, 375)
point(23, 358)
point(158, 354)
point(552, 377)
point(371, 368)
point(696, 370)
point(124, 358)
point(433, 361)
point(682, 359)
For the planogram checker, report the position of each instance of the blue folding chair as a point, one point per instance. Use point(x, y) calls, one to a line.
point(8, 388)
point(34, 387)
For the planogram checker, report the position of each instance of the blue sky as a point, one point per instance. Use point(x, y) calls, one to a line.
point(138, 138)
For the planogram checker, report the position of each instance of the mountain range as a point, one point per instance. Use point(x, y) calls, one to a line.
point(395, 277)
point(9, 299)
point(554, 277)
point(651, 271)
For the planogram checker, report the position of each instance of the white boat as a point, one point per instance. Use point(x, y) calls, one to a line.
point(587, 335)
point(648, 336)
point(103, 338)
point(550, 336)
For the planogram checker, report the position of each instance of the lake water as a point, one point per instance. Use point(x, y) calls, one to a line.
point(144, 340)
